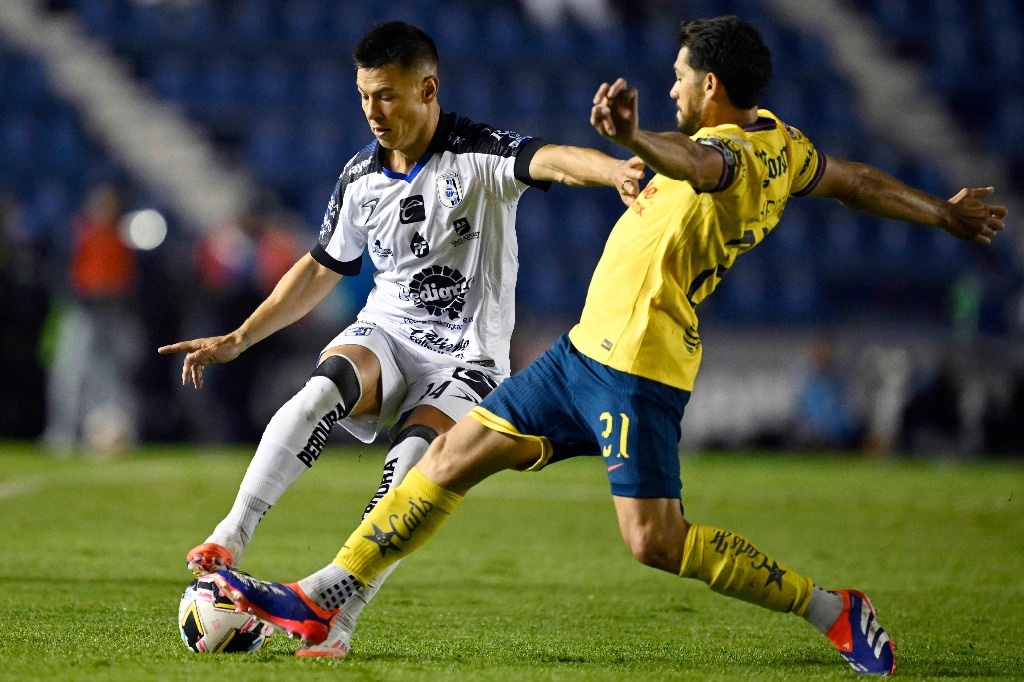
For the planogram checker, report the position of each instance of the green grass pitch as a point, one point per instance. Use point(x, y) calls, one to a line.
point(528, 581)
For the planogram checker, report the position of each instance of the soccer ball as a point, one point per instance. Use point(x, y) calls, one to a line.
point(209, 623)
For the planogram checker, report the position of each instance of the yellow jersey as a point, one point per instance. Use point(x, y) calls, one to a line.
point(669, 250)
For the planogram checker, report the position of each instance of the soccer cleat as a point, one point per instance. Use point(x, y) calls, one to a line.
point(336, 649)
point(283, 605)
point(207, 558)
point(860, 638)
point(335, 646)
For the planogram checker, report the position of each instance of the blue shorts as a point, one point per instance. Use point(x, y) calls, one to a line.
point(581, 407)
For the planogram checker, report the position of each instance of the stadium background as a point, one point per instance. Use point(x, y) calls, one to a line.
point(232, 119)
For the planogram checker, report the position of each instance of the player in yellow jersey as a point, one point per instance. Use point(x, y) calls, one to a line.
point(618, 383)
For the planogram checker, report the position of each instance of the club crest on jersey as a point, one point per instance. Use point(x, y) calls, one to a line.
point(439, 289)
point(449, 189)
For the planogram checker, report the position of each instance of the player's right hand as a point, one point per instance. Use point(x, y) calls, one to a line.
point(206, 351)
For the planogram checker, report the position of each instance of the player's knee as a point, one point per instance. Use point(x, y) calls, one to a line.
point(415, 431)
point(652, 548)
point(657, 556)
point(343, 374)
point(445, 464)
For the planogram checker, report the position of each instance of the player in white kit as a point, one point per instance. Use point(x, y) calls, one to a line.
point(433, 200)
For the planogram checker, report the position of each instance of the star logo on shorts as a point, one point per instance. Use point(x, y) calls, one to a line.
point(774, 574)
point(383, 540)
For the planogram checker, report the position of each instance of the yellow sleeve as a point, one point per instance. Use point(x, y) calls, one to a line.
point(808, 162)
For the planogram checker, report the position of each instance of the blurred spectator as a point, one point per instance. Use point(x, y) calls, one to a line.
point(885, 374)
point(933, 421)
point(237, 263)
point(596, 14)
point(823, 417)
point(91, 390)
point(24, 300)
point(1004, 420)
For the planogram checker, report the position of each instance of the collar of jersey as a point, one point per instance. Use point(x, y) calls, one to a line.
point(762, 123)
point(440, 135)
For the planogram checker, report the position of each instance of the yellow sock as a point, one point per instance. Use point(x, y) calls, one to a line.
point(730, 565)
point(403, 520)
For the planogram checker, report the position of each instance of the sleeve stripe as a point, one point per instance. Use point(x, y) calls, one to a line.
point(818, 173)
point(724, 179)
point(348, 269)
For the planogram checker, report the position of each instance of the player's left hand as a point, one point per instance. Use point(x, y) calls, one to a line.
point(615, 112)
point(971, 218)
point(626, 177)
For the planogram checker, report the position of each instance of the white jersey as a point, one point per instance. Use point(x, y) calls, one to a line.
point(442, 238)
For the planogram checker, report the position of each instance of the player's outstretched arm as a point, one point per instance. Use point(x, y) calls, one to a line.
point(615, 115)
point(584, 167)
point(296, 294)
point(866, 188)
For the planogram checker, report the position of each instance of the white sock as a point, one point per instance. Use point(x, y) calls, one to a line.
point(823, 609)
point(290, 445)
point(330, 587)
point(400, 459)
point(235, 531)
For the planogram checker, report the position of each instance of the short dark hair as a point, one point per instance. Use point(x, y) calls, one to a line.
point(733, 50)
point(395, 42)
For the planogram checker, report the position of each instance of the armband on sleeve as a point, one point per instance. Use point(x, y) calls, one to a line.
point(728, 162)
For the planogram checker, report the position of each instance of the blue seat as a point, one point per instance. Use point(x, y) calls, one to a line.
point(172, 77)
point(1007, 126)
point(897, 17)
point(329, 84)
point(270, 147)
point(346, 24)
point(742, 294)
point(26, 79)
point(48, 206)
point(273, 83)
point(455, 31)
point(18, 140)
point(999, 13)
point(508, 35)
point(103, 19)
point(953, 62)
point(252, 25)
point(1005, 53)
point(840, 238)
point(63, 147)
point(221, 86)
point(525, 92)
point(799, 294)
point(306, 24)
point(786, 98)
point(197, 26)
point(321, 146)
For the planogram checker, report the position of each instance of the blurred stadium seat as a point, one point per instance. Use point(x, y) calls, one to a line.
point(271, 82)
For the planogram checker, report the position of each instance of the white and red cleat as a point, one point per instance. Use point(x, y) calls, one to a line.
point(208, 557)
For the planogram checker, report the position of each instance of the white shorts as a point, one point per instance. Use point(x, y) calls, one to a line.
point(412, 375)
